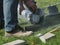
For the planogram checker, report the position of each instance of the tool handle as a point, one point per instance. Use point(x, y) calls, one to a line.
point(54, 29)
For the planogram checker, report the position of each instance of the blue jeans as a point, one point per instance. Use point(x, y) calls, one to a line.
point(10, 14)
point(1, 12)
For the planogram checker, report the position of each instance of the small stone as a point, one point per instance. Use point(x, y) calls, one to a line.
point(17, 42)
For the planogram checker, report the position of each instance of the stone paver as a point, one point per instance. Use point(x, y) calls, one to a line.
point(17, 42)
point(46, 36)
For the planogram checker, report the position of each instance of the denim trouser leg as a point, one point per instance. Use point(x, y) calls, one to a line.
point(10, 14)
point(1, 11)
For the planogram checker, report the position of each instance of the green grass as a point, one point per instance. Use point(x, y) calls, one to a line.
point(32, 40)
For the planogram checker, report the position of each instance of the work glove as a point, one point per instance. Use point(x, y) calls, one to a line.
point(34, 18)
point(37, 17)
point(26, 14)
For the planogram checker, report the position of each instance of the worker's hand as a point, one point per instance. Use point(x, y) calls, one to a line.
point(31, 5)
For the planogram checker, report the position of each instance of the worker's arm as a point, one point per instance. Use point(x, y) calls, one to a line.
point(31, 5)
point(21, 6)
